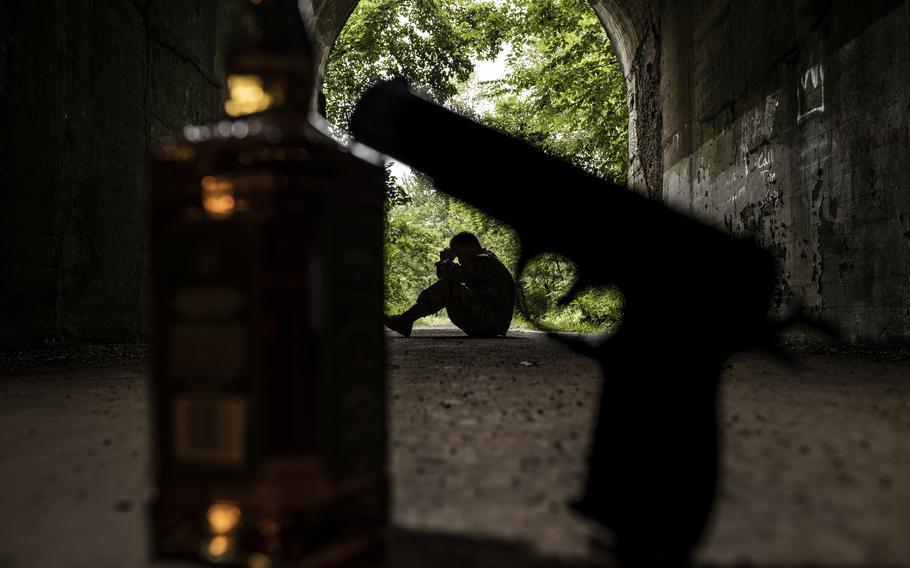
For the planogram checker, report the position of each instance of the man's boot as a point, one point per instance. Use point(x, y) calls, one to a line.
point(404, 322)
point(399, 323)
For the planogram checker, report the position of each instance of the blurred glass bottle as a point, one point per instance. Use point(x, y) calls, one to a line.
point(266, 261)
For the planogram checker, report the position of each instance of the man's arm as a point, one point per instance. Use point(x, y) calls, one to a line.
point(450, 270)
point(447, 267)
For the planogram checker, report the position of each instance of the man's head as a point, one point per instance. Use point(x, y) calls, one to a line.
point(465, 246)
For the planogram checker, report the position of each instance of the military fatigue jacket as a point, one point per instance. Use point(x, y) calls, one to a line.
point(489, 284)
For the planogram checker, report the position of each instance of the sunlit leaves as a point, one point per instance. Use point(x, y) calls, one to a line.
point(431, 43)
point(566, 90)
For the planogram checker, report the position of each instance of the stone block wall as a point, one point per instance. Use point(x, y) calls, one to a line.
point(86, 88)
point(791, 121)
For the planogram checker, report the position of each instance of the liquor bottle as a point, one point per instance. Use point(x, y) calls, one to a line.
point(268, 354)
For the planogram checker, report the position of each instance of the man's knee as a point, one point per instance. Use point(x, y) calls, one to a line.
point(440, 295)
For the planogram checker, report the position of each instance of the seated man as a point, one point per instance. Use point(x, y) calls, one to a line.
point(478, 292)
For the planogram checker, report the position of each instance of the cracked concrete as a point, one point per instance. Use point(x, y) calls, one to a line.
point(487, 444)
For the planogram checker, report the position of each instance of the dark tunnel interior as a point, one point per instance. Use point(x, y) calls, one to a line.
point(768, 148)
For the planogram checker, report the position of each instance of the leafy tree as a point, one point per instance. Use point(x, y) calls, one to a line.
point(566, 91)
point(431, 43)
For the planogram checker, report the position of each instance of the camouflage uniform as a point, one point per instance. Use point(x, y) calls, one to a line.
point(478, 295)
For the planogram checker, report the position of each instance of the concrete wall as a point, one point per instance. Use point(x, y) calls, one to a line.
point(635, 36)
point(85, 89)
point(330, 17)
point(787, 119)
point(791, 120)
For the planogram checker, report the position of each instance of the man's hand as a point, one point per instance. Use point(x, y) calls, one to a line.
point(446, 254)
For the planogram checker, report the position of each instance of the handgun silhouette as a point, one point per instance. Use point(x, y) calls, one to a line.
point(693, 296)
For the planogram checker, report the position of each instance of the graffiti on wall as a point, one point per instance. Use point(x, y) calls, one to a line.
point(765, 164)
point(810, 91)
point(757, 130)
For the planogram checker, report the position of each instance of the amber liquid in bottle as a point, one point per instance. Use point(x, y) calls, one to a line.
point(268, 374)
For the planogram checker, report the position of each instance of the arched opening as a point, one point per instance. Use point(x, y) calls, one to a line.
point(561, 85)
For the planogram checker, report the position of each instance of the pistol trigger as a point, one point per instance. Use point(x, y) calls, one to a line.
point(798, 318)
point(577, 288)
point(521, 265)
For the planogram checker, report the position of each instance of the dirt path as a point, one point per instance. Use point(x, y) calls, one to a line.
point(488, 443)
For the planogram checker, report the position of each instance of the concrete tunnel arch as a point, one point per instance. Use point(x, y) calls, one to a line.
point(618, 22)
point(712, 89)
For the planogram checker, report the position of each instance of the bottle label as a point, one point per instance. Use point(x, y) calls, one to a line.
point(210, 430)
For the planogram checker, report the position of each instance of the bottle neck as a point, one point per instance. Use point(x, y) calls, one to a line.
point(270, 61)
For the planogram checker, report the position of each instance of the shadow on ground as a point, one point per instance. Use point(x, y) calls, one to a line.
point(419, 549)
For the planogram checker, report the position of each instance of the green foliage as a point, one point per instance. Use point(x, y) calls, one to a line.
point(547, 279)
point(431, 43)
point(564, 93)
point(395, 195)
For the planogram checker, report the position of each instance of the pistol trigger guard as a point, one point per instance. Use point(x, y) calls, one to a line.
point(781, 354)
point(580, 346)
point(799, 319)
point(769, 342)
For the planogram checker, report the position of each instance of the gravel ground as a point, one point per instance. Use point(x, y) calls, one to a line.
point(487, 444)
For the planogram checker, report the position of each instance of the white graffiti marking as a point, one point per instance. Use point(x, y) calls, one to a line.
point(810, 92)
point(765, 163)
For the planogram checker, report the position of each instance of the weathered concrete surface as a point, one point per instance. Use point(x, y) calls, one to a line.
point(330, 17)
point(634, 32)
point(85, 89)
point(488, 443)
point(791, 121)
